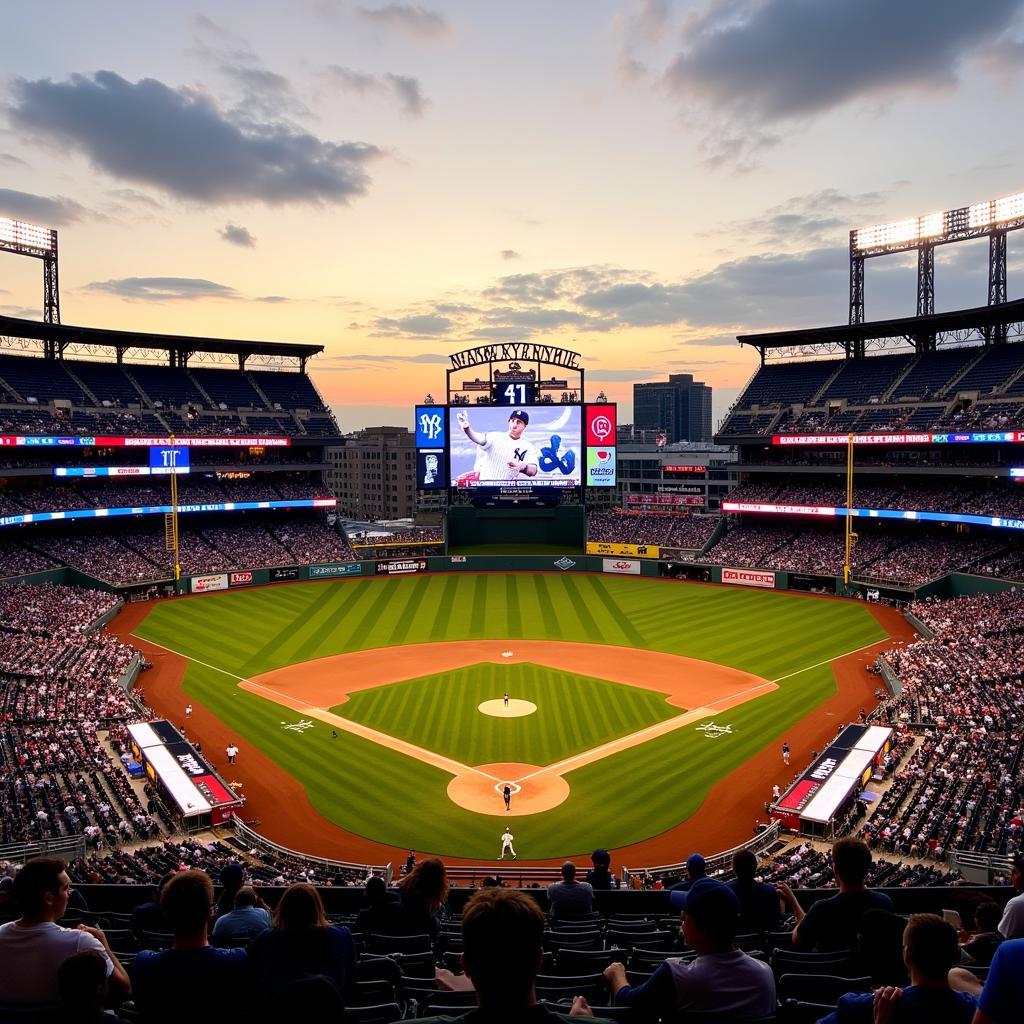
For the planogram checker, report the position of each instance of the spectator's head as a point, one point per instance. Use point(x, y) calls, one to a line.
point(231, 877)
point(427, 883)
point(601, 859)
point(245, 897)
point(82, 981)
point(711, 915)
point(744, 864)
point(851, 860)
point(300, 909)
point(375, 890)
point(41, 889)
point(696, 867)
point(987, 916)
point(503, 932)
point(568, 871)
point(929, 948)
point(187, 901)
point(880, 947)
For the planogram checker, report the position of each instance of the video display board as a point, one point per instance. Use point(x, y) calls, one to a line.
point(529, 446)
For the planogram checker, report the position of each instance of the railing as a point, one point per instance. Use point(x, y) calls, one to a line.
point(924, 630)
point(980, 867)
point(68, 847)
point(253, 837)
point(511, 873)
point(716, 863)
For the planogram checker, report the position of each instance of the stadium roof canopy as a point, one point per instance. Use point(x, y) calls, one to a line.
point(59, 339)
point(983, 324)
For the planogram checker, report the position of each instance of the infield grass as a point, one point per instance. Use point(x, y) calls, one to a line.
point(632, 795)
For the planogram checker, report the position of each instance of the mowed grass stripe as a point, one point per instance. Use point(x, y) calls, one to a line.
point(445, 606)
point(512, 603)
point(623, 621)
point(407, 616)
point(478, 609)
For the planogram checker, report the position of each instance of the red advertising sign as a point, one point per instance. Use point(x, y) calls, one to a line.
point(600, 426)
point(671, 500)
point(685, 469)
point(240, 579)
point(790, 510)
point(749, 577)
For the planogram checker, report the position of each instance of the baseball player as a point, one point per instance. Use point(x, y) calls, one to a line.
point(776, 793)
point(507, 456)
point(506, 698)
point(785, 752)
point(507, 794)
point(506, 844)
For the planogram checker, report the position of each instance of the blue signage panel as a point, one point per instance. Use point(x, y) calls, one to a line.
point(166, 459)
point(431, 426)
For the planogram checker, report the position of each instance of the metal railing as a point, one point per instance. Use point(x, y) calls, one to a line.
point(68, 847)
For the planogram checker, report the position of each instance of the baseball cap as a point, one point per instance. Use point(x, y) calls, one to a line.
point(696, 865)
point(519, 414)
point(707, 900)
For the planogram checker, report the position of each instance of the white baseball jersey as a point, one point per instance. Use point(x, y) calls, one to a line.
point(498, 449)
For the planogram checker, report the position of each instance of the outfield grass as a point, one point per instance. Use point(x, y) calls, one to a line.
point(574, 713)
point(383, 795)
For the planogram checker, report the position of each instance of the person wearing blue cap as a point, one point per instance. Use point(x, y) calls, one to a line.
point(720, 980)
point(696, 868)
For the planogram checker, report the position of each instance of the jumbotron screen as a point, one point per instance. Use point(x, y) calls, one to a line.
point(503, 446)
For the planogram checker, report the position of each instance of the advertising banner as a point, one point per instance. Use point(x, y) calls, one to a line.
point(600, 467)
point(204, 584)
point(281, 573)
point(668, 500)
point(240, 579)
point(402, 568)
point(684, 469)
point(625, 566)
point(680, 489)
point(167, 459)
point(789, 510)
point(330, 569)
point(600, 426)
point(431, 426)
point(628, 550)
point(431, 471)
point(749, 577)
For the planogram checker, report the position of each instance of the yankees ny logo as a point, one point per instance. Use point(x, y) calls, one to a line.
point(519, 453)
point(430, 424)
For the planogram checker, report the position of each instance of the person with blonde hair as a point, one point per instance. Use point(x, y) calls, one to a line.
point(301, 942)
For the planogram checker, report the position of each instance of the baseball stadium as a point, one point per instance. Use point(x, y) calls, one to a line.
point(585, 648)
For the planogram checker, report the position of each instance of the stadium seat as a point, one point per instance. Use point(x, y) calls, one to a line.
point(649, 959)
point(398, 943)
point(415, 965)
point(819, 988)
point(594, 990)
point(381, 1013)
point(793, 1011)
point(585, 961)
point(793, 962)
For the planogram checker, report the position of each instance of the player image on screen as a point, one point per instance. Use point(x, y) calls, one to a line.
point(522, 447)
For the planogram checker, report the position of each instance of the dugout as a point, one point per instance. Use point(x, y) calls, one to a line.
point(561, 526)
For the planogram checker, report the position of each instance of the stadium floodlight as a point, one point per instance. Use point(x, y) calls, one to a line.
point(1009, 207)
point(22, 236)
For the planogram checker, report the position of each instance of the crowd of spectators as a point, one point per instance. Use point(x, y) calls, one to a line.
point(666, 529)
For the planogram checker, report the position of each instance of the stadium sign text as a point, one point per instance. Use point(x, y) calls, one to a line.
point(335, 569)
point(982, 437)
point(525, 351)
point(749, 577)
point(204, 584)
point(625, 566)
point(625, 550)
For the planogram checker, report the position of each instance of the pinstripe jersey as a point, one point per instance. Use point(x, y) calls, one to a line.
point(498, 450)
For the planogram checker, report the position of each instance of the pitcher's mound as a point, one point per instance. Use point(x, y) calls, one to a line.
point(479, 793)
point(514, 709)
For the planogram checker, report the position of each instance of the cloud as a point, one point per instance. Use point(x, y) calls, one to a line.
point(769, 60)
point(164, 289)
point(510, 254)
point(618, 376)
point(181, 141)
point(404, 89)
point(412, 19)
point(134, 196)
point(273, 299)
point(51, 211)
point(379, 357)
point(421, 325)
point(237, 235)
point(10, 160)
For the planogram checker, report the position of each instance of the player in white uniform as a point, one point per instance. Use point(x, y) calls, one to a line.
point(503, 456)
point(506, 844)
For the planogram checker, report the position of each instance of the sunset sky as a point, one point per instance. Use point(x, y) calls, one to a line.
point(639, 180)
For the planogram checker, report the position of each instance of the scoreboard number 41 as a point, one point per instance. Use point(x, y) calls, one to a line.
point(514, 394)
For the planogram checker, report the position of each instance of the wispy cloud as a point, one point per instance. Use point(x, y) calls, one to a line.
point(404, 89)
point(164, 289)
point(236, 234)
point(412, 19)
point(52, 211)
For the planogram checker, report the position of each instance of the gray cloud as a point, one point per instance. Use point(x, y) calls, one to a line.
point(404, 89)
point(769, 60)
point(111, 121)
point(50, 211)
point(420, 325)
point(619, 376)
point(273, 300)
point(412, 19)
point(377, 357)
point(236, 234)
point(510, 254)
point(10, 160)
point(163, 289)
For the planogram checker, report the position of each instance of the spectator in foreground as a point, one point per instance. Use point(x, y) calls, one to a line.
point(1012, 924)
point(503, 932)
point(696, 868)
point(986, 938)
point(188, 982)
point(929, 951)
point(149, 916)
point(759, 901)
point(721, 980)
point(301, 942)
point(1001, 1001)
point(246, 921)
point(568, 898)
point(832, 924)
point(33, 947)
point(82, 980)
point(381, 912)
point(600, 876)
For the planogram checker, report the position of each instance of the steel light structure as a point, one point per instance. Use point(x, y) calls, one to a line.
point(24, 239)
point(990, 219)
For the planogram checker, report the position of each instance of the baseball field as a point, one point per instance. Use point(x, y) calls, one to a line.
point(383, 699)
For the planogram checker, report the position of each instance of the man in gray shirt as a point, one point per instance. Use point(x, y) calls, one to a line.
point(568, 898)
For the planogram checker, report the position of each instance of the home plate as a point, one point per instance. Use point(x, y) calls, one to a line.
point(514, 708)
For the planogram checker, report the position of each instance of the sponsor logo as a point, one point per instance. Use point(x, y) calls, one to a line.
point(565, 563)
point(624, 550)
point(335, 569)
point(458, 559)
point(601, 466)
point(431, 425)
point(204, 584)
point(402, 568)
point(284, 572)
point(624, 566)
point(748, 577)
point(303, 725)
point(602, 427)
point(824, 769)
point(240, 579)
point(714, 732)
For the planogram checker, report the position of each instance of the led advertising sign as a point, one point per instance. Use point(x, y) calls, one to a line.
point(106, 441)
point(977, 437)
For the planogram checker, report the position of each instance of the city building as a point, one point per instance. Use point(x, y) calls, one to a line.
point(373, 475)
point(679, 406)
